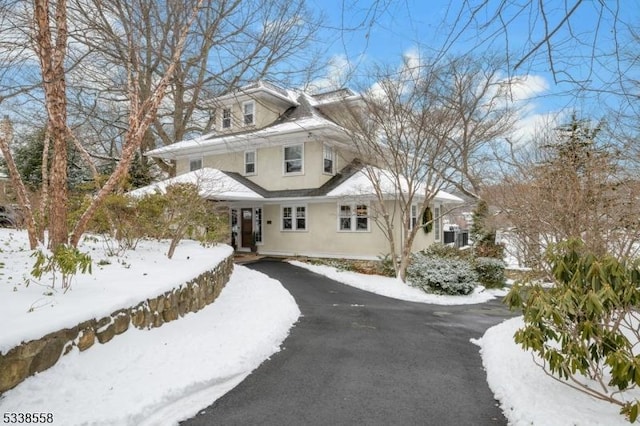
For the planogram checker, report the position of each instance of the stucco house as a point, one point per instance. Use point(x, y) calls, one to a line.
point(289, 175)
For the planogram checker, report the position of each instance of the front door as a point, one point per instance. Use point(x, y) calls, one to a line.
point(246, 227)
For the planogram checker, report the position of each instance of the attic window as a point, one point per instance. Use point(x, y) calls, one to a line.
point(248, 110)
point(226, 118)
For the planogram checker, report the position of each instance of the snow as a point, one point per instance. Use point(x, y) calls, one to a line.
point(143, 377)
point(360, 184)
point(527, 395)
point(163, 375)
point(211, 183)
point(396, 289)
point(33, 309)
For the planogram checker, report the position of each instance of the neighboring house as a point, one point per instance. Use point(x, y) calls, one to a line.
point(289, 176)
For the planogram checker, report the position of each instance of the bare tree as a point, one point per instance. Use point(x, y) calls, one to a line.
point(229, 43)
point(399, 131)
point(570, 184)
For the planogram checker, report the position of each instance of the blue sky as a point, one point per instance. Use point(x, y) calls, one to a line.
point(403, 27)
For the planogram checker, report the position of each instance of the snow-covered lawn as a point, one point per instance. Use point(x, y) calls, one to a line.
point(163, 375)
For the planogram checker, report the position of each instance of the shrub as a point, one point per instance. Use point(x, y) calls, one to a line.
point(65, 260)
point(443, 251)
point(441, 275)
point(490, 271)
point(585, 328)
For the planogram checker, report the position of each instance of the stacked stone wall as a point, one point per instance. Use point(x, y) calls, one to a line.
point(37, 355)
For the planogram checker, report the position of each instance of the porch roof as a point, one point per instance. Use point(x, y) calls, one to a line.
point(212, 184)
point(215, 184)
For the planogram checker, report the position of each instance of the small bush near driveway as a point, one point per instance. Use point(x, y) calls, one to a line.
point(440, 275)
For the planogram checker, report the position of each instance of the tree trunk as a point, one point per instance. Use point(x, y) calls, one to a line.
point(51, 58)
point(16, 181)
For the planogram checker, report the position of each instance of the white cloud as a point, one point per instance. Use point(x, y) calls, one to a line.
point(337, 72)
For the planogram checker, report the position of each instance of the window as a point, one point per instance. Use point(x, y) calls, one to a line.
point(248, 111)
point(436, 223)
point(353, 217)
point(344, 218)
point(414, 216)
point(257, 226)
point(226, 118)
point(294, 218)
point(327, 159)
point(250, 163)
point(293, 159)
point(195, 164)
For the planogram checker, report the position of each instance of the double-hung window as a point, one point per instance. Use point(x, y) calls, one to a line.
point(293, 159)
point(353, 217)
point(414, 216)
point(226, 118)
point(195, 164)
point(328, 159)
point(248, 112)
point(250, 163)
point(294, 218)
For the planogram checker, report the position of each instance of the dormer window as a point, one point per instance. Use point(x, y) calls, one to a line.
point(248, 111)
point(226, 118)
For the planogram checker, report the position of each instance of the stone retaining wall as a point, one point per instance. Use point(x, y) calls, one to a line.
point(38, 355)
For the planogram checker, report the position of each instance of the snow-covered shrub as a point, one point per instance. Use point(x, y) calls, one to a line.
point(490, 271)
point(441, 275)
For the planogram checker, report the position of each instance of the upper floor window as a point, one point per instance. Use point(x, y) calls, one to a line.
point(294, 218)
point(293, 156)
point(328, 159)
point(195, 164)
point(353, 217)
point(250, 163)
point(226, 118)
point(248, 111)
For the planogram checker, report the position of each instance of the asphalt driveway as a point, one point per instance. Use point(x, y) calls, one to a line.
point(356, 358)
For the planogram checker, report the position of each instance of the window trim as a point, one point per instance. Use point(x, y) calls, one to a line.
point(191, 160)
point(294, 218)
point(353, 217)
point(331, 149)
point(284, 160)
point(437, 223)
point(255, 162)
point(223, 118)
point(253, 113)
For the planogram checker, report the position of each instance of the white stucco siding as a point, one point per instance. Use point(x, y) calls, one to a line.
point(322, 238)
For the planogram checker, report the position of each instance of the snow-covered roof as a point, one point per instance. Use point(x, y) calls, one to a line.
point(360, 185)
point(212, 184)
point(211, 143)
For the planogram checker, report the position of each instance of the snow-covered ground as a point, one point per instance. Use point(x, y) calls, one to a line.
point(163, 375)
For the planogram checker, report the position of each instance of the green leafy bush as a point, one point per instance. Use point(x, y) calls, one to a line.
point(440, 275)
point(444, 251)
point(65, 260)
point(585, 328)
point(490, 271)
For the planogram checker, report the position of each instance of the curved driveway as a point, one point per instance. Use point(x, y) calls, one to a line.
point(356, 358)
